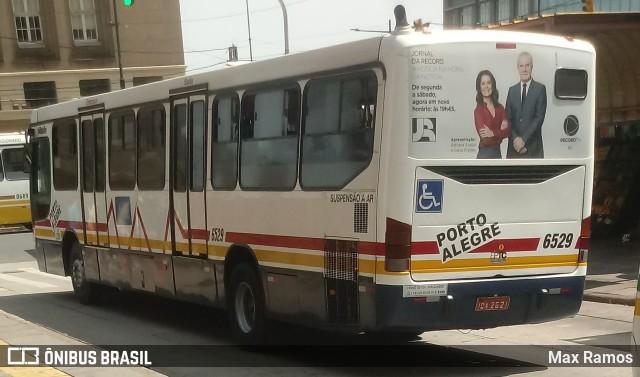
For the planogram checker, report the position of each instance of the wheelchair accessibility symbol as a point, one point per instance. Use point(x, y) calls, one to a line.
point(429, 196)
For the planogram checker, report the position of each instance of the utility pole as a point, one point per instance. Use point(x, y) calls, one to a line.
point(116, 25)
point(249, 27)
point(286, 27)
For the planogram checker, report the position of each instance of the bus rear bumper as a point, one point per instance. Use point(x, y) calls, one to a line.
point(530, 301)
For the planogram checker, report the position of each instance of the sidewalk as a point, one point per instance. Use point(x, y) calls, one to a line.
point(17, 331)
point(612, 272)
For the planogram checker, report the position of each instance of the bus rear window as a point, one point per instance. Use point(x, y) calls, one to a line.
point(571, 83)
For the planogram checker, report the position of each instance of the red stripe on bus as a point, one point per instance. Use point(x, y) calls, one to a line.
point(199, 234)
point(511, 245)
point(100, 227)
point(78, 225)
point(277, 241)
point(144, 230)
point(428, 247)
point(371, 248)
point(194, 234)
point(45, 222)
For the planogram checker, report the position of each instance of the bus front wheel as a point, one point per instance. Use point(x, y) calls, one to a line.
point(246, 306)
point(86, 292)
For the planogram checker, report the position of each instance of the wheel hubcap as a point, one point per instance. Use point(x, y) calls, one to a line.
point(245, 306)
point(78, 272)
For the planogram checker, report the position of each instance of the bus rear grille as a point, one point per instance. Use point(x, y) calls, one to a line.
point(485, 175)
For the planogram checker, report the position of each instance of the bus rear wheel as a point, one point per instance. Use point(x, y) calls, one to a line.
point(246, 306)
point(86, 292)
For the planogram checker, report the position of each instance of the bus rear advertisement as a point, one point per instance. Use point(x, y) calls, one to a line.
point(407, 182)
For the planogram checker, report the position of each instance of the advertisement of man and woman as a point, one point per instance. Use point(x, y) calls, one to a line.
point(494, 104)
point(519, 121)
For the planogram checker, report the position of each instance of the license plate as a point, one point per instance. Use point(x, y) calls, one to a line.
point(492, 303)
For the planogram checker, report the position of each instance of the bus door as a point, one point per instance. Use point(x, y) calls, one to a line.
point(93, 179)
point(188, 167)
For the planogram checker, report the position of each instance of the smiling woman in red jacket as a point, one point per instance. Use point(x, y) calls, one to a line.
point(490, 118)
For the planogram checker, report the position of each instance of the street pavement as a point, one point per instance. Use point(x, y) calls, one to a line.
point(612, 275)
point(612, 272)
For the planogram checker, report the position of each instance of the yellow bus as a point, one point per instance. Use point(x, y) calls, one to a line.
point(15, 212)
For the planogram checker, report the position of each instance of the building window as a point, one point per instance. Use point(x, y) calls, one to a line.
point(93, 87)
point(39, 94)
point(504, 10)
point(145, 80)
point(485, 13)
point(466, 16)
point(523, 7)
point(27, 21)
point(83, 22)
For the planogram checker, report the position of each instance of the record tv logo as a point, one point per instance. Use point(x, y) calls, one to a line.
point(423, 129)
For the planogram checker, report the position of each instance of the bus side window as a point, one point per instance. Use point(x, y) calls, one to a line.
point(292, 111)
point(151, 148)
point(338, 130)
point(12, 163)
point(269, 155)
point(224, 144)
point(248, 115)
point(197, 124)
point(40, 178)
point(122, 151)
point(65, 154)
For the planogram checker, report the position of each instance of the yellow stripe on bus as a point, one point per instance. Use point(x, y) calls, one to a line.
point(6, 203)
point(636, 311)
point(15, 215)
point(44, 233)
point(485, 263)
point(31, 371)
point(290, 258)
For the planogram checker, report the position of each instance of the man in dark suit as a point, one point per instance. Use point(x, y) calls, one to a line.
point(526, 109)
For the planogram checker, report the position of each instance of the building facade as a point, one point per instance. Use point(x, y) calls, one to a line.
point(55, 50)
point(472, 13)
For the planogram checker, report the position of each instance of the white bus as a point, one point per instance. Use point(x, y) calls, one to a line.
point(15, 212)
point(338, 188)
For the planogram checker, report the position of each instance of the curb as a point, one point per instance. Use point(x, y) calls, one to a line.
point(609, 299)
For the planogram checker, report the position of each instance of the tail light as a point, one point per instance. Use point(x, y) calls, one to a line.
point(398, 246)
point(583, 241)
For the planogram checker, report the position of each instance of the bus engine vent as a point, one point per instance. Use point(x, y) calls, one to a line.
point(360, 217)
point(486, 175)
point(341, 280)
